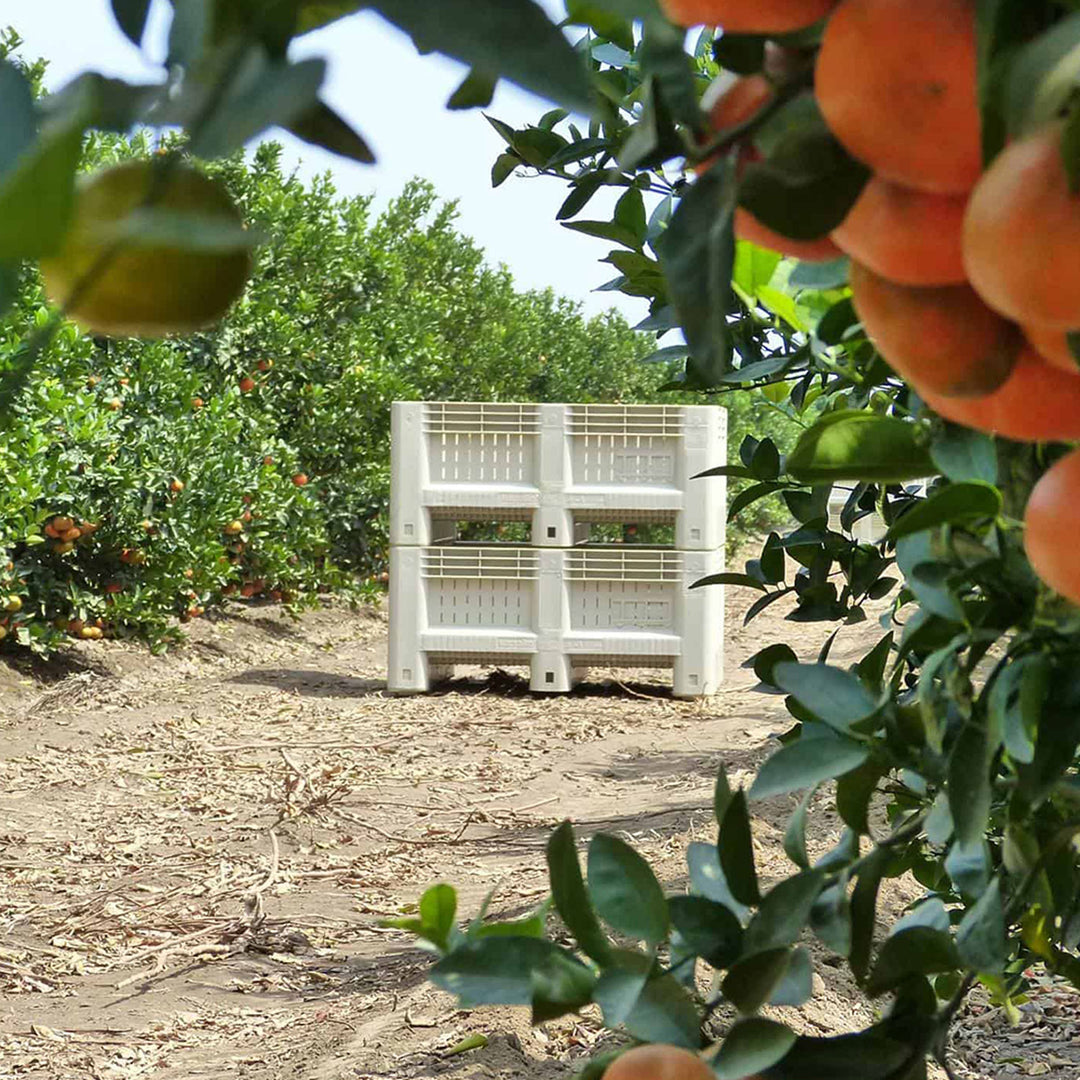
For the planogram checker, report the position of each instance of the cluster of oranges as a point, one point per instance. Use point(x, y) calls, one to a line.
point(963, 275)
point(64, 532)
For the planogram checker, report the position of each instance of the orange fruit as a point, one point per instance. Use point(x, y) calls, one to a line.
point(943, 338)
point(115, 404)
point(265, 365)
point(908, 236)
point(62, 524)
point(300, 479)
point(247, 590)
point(247, 384)
point(114, 587)
point(197, 403)
point(71, 534)
point(176, 486)
point(895, 80)
point(1038, 402)
point(152, 284)
point(64, 548)
point(730, 104)
point(659, 1062)
point(748, 16)
point(1051, 524)
point(233, 528)
point(1021, 234)
point(1053, 347)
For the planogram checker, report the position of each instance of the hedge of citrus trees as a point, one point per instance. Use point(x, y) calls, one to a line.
point(147, 481)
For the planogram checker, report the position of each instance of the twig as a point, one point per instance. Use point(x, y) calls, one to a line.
point(237, 748)
point(638, 694)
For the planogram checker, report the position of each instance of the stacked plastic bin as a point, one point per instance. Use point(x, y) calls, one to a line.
point(564, 477)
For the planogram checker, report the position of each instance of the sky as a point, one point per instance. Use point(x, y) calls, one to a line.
point(396, 99)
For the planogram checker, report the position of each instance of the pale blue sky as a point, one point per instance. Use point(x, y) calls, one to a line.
point(395, 98)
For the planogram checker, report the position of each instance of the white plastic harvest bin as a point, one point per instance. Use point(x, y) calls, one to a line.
point(560, 467)
point(557, 611)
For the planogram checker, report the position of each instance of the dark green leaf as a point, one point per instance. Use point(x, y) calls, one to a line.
point(17, 123)
point(784, 912)
point(722, 795)
point(856, 445)
point(665, 1013)
point(663, 58)
point(759, 605)
point(830, 918)
point(765, 661)
point(796, 988)
point(131, 16)
point(749, 496)
point(744, 54)
point(608, 24)
point(510, 971)
point(750, 1047)
point(750, 983)
point(625, 891)
point(571, 900)
point(795, 834)
point(697, 252)
point(765, 464)
point(605, 230)
point(980, 938)
point(863, 911)
point(970, 793)
point(918, 950)
point(807, 183)
point(504, 165)
point(821, 276)
point(321, 126)
point(1015, 703)
point(475, 92)
point(853, 793)
point(913, 554)
point(868, 1055)
point(836, 696)
point(1042, 77)
point(968, 867)
point(512, 38)
point(960, 503)
point(871, 668)
point(707, 876)
point(729, 579)
point(837, 321)
point(807, 762)
point(630, 214)
point(37, 193)
point(736, 849)
point(709, 929)
point(965, 454)
point(263, 94)
point(9, 285)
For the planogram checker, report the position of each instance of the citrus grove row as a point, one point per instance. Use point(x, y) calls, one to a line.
point(964, 274)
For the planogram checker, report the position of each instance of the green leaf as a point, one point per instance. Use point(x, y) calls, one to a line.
point(630, 215)
point(764, 662)
point(854, 791)
point(697, 252)
point(796, 988)
point(744, 54)
point(795, 834)
point(17, 121)
point(968, 866)
point(1042, 77)
point(807, 183)
point(918, 950)
point(511, 38)
point(709, 930)
point(821, 276)
point(970, 792)
point(438, 906)
point(475, 92)
point(981, 937)
point(863, 911)
point(913, 554)
point(320, 125)
point(504, 165)
point(749, 496)
point(961, 503)
point(868, 1055)
point(662, 57)
point(513, 971)
point(805, 763)
point(965, 454)
point(830, 918)
point(625, 891)
point(857, 445)
point(665, 1013)
point(1015, 703)
point(750, 1047)
point(131, 17)
point(784, 912)
point(729, 579)
point(264, 93)
point(722, 795)
point(9, 287)
point(707, 876)
point(736, 848)
point(608, 24)
point(750, 983)
point(571, 900)
point(605, 230)
point(837, 697)
point(754, 267)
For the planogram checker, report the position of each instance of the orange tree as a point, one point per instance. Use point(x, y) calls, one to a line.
point(952, 743)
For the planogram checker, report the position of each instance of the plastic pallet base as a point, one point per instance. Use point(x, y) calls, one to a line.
point(558, 611)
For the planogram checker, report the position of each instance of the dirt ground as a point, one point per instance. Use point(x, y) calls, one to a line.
point(196, 851)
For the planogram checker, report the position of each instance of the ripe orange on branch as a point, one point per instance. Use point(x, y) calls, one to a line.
point(1036, 403)
point(895, 80)
point(908, 236)
point(748, 16)
point(1022, 234)
point(943, 339)
point(1051, 522)
point(659, 1062)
